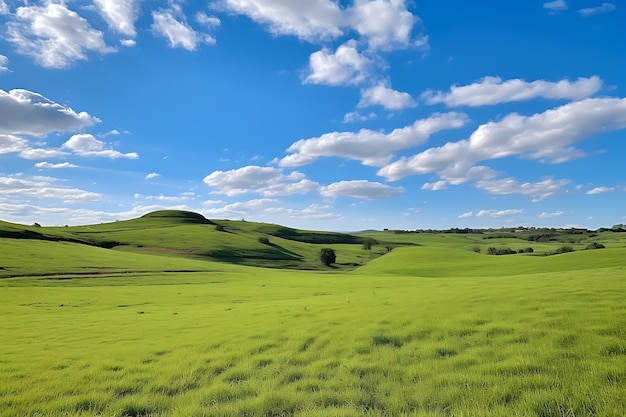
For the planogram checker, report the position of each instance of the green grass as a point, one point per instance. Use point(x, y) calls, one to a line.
point(310, 344)
point(190, 235)
point(429, 329)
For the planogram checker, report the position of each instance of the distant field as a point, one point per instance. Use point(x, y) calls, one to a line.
point(431, 328)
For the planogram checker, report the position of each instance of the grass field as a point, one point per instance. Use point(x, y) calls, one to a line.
point(428, 330)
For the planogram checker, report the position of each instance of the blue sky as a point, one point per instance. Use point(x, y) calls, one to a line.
point(351, 115)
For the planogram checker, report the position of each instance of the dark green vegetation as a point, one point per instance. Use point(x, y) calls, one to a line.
point(428, 325)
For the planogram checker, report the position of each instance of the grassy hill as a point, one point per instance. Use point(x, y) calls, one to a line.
point(170, 321)
point(177, 234)
point(184, 236)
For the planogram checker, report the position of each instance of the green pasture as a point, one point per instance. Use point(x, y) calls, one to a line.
point(430, 328)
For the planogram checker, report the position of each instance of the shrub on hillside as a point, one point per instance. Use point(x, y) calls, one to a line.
point(500, 251)
point(596, 245)
point(328, 256)
point(264, 240)
point(564, 249)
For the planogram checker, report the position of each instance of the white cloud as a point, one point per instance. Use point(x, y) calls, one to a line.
point(211, 22)
point(267, 209)
point(53, 35)
point(152, 175)
point(386, 24)
point(361, 189)
point(499, 213)
point(547, 215)
point(309, 20)
point(344, 66)
point(119, 14)
point(166, 198)
point(39, 153)
point(538, 190)
point(554, 6)
point(48, 165)
point(492, 90)
point(4, 8)
point(600, 190)
point(10, 144)
point(25, 112)
point(435, 186)
point(44, 188)
point(604, 8)
point(390, 99)
point(370, 147)
point(492, 213)
point(543, 135)
point(88, 145)
point(267, 181)
point(4, 62)
point(178, 34)
point(355, 116)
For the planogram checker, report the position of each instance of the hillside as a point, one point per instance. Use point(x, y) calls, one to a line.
point(169, 239)
point(184, 234)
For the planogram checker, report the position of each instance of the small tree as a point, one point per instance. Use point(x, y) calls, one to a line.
point(328, 256)
point(264, 240)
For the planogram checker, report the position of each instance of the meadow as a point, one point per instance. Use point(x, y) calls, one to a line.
point(431, 328)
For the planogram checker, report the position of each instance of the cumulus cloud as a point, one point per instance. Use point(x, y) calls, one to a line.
point(10, 144)
point(600, 190)
point(386, 24)
point(309, 20)
point(210, 22)
point(543, 135)
point(547, 215)
point(55, 36)
point(43, 188)
point(383, 24)
point(499, 213)
point(119, 14)
point(355, 116)
point(268, 181)
point(492, 213)
point(48, 165)
point(40, 153)
point(344, 66)
point(390, 99)
point(604, 8)
point(361, 189)
point(268, 208)
point(493, 90)
point(178, 33)
point(88, 145)
point(28, 113)
point(435, 186)
point(4, 63)
point(4, 8)
point(538, 190)
point(373, 148)
point(555, 6)
point(152, 175)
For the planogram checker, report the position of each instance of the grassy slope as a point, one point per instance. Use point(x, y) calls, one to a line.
point(191, 235)
point(445, 262)
point(295, 343)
